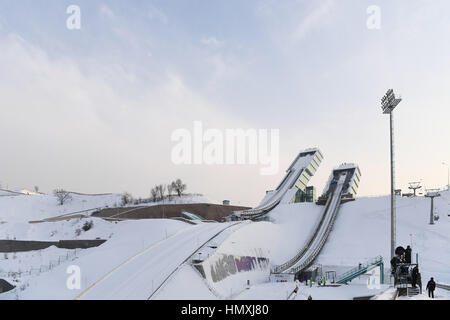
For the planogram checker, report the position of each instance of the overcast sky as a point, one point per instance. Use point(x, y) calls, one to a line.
point(92, 110)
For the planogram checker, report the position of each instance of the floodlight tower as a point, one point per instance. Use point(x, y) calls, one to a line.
point(432, 194)
point(388, 104)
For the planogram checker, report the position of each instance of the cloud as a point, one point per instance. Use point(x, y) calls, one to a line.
point(313, 20)
point(107, 12)
point(158, 14)
point(62, 128)
point(212, 41)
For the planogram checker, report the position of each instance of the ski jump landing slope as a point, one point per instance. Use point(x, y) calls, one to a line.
point(140, 276)
point(297, 177)
point(320, 234)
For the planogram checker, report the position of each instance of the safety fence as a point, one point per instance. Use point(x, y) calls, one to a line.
point(35, 271)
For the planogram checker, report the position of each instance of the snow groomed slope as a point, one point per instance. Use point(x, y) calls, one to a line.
point(297, 177)
point(140, 276)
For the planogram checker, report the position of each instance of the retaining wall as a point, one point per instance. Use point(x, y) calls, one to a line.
point(228, 274)
point(25, 245)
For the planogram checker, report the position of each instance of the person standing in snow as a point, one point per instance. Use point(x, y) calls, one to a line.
point(414, 275)
point(431, 285)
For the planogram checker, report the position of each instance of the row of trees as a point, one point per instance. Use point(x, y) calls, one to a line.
point(158, 192)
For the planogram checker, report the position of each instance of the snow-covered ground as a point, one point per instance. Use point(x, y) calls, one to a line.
point(20, 207)
point(128, 238)
point(23, 208)
point(281, 291)
point(361, 232)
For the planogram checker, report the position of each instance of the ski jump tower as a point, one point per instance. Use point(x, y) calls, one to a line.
point(297, 177)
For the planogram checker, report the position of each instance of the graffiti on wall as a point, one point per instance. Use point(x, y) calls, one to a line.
point(228, 265)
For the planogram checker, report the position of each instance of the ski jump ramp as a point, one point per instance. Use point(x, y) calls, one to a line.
point(342, 183)
point(342, 186)
point(297, 177)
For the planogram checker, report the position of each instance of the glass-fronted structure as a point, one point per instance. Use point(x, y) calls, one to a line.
point(308, 196)
point(310, 170)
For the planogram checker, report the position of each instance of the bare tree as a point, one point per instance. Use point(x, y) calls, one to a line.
point(154, 194)
point(161, 191)
point(126, 199)
point(170, 190)
point(36, 189)
point(62, 196)
point(179, 186)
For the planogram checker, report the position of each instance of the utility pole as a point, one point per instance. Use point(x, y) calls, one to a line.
point(432, 194)
point(388, 104)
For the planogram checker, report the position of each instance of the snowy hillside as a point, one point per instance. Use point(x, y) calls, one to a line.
point(23, 208)
point(361, 232)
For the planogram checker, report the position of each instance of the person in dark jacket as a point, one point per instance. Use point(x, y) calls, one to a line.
point(408, 254)
point(431, 285)
point(414, 276)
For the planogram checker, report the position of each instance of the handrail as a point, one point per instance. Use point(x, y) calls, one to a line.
point(373, 262)
point(443, 286)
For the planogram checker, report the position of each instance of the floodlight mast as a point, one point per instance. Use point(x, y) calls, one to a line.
point(388, 104)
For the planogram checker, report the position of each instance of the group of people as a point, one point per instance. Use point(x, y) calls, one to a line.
point(322, 282)
point(402, 256)
point(406, 269)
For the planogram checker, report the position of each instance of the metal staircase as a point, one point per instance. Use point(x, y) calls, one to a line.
point(362, 269)
point(411, 291)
